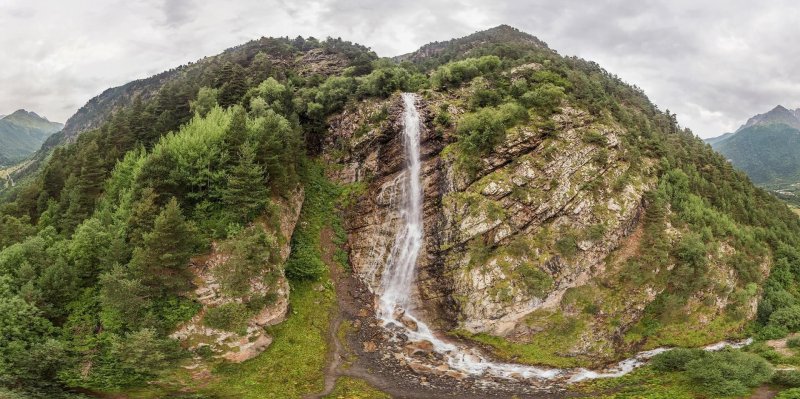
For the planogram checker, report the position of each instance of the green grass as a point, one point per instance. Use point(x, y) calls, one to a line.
point(643, 383)
point(353, 388)
point(293, 365)
point(544, 347)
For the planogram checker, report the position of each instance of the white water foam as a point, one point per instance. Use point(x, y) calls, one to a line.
point(397, 280)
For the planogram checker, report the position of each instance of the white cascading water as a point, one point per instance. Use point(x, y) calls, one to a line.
point(399, 272)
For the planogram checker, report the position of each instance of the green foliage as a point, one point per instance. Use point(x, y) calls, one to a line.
point(232, 316)
point(788, 317)
point(535, 279)
point(30, 356)
point(161, 263)
point(205, 102)
point(246, 193)
point(675, 359)
point(305, 261)
point(567, 245)
point(595, 137)
point(546, 98)
point(253, 257)
point(787, 378)
point(455, 73)
point(793, 393)
point(480, 131)
point(729, 372)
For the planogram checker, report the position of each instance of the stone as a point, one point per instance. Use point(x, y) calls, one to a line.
point(416, 348)
point(370, 347)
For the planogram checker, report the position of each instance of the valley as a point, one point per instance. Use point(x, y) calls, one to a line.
point(480, 218)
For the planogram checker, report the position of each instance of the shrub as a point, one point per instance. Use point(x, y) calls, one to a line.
point(788, 317)
point(787, 378)
point(535, 279)
point(793, 342)
point(545, 98)
point(229, 317)
point(567, 246)
point(793, 393)
point(729, 372)
point(772, 331)
point(455, 73)
point(595, 137)
point(676, 359)
point(480, 131)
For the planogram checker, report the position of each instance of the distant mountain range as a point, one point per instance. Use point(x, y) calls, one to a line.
point(22, 133)
point(767, 148)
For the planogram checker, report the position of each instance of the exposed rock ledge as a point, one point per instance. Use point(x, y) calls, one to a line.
point(228, 345)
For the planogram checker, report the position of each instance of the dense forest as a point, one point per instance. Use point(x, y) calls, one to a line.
point(94, 247)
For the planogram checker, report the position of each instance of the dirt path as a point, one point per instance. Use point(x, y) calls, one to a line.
point(334, 346)
point(764, 392)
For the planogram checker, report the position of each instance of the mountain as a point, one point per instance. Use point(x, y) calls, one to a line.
point(768, 153)
point(22, 133)
point(481, 218)
point(778, 115)
point(767, 148)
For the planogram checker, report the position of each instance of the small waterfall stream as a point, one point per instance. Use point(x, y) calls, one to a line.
point(399, 272)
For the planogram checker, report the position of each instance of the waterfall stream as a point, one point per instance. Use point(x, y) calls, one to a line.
point(399, 272)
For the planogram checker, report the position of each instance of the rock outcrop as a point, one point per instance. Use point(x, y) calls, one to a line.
point(241, 345)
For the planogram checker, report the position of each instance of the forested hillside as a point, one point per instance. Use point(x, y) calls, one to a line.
point(144, 254)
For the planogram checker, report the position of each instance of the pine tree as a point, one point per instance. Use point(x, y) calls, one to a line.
point(246, 193)
point(161, 263)
point(233, 86)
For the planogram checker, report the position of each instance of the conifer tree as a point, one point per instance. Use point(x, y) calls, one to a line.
point(246, 193)
point(161, 263)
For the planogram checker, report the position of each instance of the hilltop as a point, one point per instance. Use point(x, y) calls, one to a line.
point(22, 133)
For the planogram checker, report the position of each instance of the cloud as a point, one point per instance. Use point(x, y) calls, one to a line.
point(715, 63)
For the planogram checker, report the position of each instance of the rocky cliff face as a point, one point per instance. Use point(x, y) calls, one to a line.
point(238, 346)
point(547, 213)
point(490, 256)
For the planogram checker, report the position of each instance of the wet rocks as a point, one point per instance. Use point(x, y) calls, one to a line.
point(419, 348)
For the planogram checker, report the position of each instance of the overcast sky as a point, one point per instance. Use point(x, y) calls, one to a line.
point(714, 63)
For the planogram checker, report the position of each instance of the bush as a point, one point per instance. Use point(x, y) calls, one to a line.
point(729, 372)
point(535, 279)
point(676, 359)
point(479, 132)
point(545, 98)
point(787, 378)
point(787, 317)
point(455, 73)
point(229, 317)
point(595, 137)
point(793, 393)
point(793, 342)
point(567, 246)
point(772, 331)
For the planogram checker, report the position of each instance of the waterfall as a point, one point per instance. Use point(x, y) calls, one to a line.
point(397, 280)
point(398, 275)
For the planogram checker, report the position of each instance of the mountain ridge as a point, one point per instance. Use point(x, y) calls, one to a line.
point(22, 133)
point(779, 114)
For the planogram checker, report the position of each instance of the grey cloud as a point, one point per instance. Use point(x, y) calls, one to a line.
point(714, 62)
